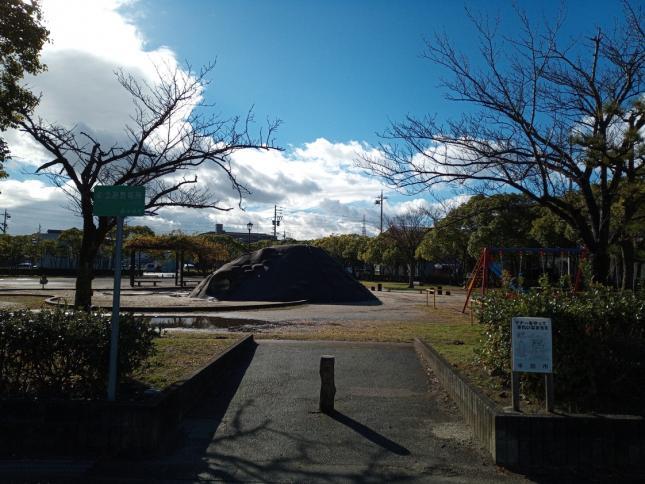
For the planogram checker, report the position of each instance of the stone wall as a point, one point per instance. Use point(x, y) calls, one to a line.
point(65, 427)
point(540, 442)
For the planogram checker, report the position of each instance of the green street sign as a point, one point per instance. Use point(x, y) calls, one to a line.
point(119, 200)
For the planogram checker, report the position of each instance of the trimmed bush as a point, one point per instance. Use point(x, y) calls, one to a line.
point(598, 343)
point(65, 354)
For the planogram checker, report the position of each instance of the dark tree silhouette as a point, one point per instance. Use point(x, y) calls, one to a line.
point(169, 136)
point(551, 117)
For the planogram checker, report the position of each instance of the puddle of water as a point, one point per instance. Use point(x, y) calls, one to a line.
point(210, 323)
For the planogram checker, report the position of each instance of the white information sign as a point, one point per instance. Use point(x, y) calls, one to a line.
point(531, 345)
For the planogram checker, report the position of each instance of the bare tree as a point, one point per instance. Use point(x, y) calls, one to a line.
point(551, 118)
point(168, 138)
point(407, 231)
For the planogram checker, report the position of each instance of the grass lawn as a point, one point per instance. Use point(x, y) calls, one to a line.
point(21, 302)
point(178, 355)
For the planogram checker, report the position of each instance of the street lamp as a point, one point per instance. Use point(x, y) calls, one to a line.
point(249, 226)
point(379, 201)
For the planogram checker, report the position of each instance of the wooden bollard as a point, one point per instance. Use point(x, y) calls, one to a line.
point(327, 386)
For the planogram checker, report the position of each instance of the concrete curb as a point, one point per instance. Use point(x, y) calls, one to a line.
point(542, 442)
point(190, 309)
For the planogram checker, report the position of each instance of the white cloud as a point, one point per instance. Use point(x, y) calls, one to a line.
point(99, 28)
point(89, 41)
point(32, 203)
point(318, 184)
point(18, 193)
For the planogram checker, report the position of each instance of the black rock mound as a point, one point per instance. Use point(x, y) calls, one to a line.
point(284, 273)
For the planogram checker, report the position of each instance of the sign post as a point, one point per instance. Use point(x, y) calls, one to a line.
point(117, 201)
point(532, 352)
point(116, 305)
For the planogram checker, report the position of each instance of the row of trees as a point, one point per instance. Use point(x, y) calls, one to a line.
point(457, 237)
point(207, 251)
point(394, 248)
point(32, 248)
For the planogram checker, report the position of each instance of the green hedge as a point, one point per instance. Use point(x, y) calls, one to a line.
point(598, 343)
point(65, 354)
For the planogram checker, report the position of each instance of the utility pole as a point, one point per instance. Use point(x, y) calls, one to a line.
point(277, 217)
point(379, 201)
point(4, 224)
point(40, 248)
point(364, 230)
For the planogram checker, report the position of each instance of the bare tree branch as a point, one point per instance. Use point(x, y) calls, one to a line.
point(551, 118)
point(170, 135)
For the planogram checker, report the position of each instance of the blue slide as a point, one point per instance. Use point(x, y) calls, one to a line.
point(496, 269)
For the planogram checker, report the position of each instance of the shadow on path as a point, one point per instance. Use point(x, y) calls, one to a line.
point(239, 455)
point(368, 433)
point(199, 426)
point(214, 405)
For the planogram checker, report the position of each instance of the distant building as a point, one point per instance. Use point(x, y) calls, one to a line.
point(242, 237)
point(51, 234)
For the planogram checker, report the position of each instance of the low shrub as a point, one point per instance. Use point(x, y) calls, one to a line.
point(598, 343)
point(65, 354)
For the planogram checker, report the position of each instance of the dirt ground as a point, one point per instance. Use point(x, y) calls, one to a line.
point(396, 305)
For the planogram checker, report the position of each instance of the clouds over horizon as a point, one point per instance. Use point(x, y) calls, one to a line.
point(317, 183)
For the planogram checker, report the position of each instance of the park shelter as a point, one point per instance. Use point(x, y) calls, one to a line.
point(179, 244)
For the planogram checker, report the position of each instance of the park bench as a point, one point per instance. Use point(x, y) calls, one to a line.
point(138, 282)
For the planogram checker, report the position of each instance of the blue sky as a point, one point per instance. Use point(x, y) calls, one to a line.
point(332, 69)
point(334, 72)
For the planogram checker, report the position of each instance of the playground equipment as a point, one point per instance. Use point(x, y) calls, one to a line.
point(491, 264)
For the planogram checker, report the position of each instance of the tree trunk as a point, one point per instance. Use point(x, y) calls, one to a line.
point(600, 265)
point(93, 236)
point(411, 274)
point(89, 249)
point(627, 252)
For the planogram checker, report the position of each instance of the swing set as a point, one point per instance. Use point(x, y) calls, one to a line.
point(491, 266)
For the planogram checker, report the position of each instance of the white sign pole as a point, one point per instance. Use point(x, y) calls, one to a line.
point(116, 303)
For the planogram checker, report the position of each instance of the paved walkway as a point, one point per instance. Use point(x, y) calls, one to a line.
point(392, 424)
